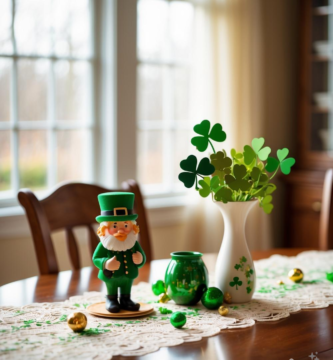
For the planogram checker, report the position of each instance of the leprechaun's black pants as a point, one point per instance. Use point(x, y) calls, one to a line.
point(123, 283)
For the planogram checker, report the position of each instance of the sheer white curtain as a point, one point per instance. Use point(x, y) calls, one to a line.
point(227, 87)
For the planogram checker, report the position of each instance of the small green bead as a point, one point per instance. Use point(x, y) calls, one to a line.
point(178, 319)
point(212, 298)
point(158, 287)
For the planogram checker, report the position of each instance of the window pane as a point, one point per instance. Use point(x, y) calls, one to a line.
point(5, 27)
point(150, 92)
point(32, 26)
point(69, 155)
point(150, 159)
point(71, 26)
point(152, 29)
point(181, 91)
point(72, 85)
point(5, 160)
point(182, 143)
point(33, 159)
point(5, 74)
point(181, 19)
point(32, 89)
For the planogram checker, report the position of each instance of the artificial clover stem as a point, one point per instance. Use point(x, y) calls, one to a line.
point(274, 173)
point(212, 146)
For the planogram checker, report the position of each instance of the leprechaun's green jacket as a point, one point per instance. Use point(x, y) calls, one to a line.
point(127, 267)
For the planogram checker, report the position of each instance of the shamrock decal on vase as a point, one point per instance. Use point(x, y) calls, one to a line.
point(236, 282)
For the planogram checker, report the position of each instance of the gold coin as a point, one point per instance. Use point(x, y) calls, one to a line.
point(223, 311)
point(77, 321)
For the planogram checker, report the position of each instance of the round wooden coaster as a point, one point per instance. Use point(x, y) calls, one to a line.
point(98, 309)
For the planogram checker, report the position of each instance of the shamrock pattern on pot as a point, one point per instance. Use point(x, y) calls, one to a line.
point(248, 272)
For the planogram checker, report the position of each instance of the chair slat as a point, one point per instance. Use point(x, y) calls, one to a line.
point(93, 240)
point(72, 249)
point(69, 206)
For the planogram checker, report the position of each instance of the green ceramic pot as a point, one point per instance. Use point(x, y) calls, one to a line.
point(186, 277)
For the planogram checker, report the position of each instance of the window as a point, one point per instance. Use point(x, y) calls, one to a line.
point(62, 62)
point(164, 38)
point(46, 108)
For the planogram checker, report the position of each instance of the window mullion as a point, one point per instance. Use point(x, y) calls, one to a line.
point(51, 132)
point(14, 114)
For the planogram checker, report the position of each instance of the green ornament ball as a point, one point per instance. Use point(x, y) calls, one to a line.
point(212, 298)
point(329, 276)
point(178, 319)
point(158, 287)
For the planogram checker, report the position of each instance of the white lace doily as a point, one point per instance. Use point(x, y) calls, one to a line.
point(40, 330)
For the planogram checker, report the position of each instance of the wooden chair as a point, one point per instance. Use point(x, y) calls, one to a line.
point(69, 206)
point(326, 215)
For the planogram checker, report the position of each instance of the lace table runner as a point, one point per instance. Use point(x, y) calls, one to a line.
point(40, 330)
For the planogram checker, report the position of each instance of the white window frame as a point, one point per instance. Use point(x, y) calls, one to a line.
point(92, 150)
point(114, 73)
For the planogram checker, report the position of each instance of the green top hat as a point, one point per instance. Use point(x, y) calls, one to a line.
point(116, 206)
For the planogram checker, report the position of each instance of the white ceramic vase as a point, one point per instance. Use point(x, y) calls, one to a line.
point(234, 271)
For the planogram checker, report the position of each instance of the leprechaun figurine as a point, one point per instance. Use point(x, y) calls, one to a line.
point(118, 256)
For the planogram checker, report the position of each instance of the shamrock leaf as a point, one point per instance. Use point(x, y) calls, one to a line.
point(237, 266)
point(208, 185)
point(205, 187)
point(285, 164)
point(262, 153)
point(216, 134)
point(190, 166)
point(224, 194)
point(236, 182)
point(249, 154)
point(235, 154)
point(265, 190)
point(272, 164)
point(248, 290)
point(221, 163)
point(236, 282)
point(266, 204)
point(258, 176)
point(243, 259)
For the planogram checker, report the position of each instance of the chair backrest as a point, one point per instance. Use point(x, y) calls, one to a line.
point(326, 215)
point(69, 206)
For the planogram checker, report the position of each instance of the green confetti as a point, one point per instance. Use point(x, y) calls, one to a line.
point(93, 331)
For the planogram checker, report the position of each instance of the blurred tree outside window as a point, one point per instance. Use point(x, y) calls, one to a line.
point(164, 43)
point(46, 64)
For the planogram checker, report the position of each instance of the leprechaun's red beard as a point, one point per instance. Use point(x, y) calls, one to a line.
point(110, 242)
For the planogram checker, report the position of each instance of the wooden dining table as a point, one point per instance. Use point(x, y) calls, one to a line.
point(304, 335)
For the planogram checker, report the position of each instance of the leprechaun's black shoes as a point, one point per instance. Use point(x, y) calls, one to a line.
point(111, 303)
point(127, 304)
